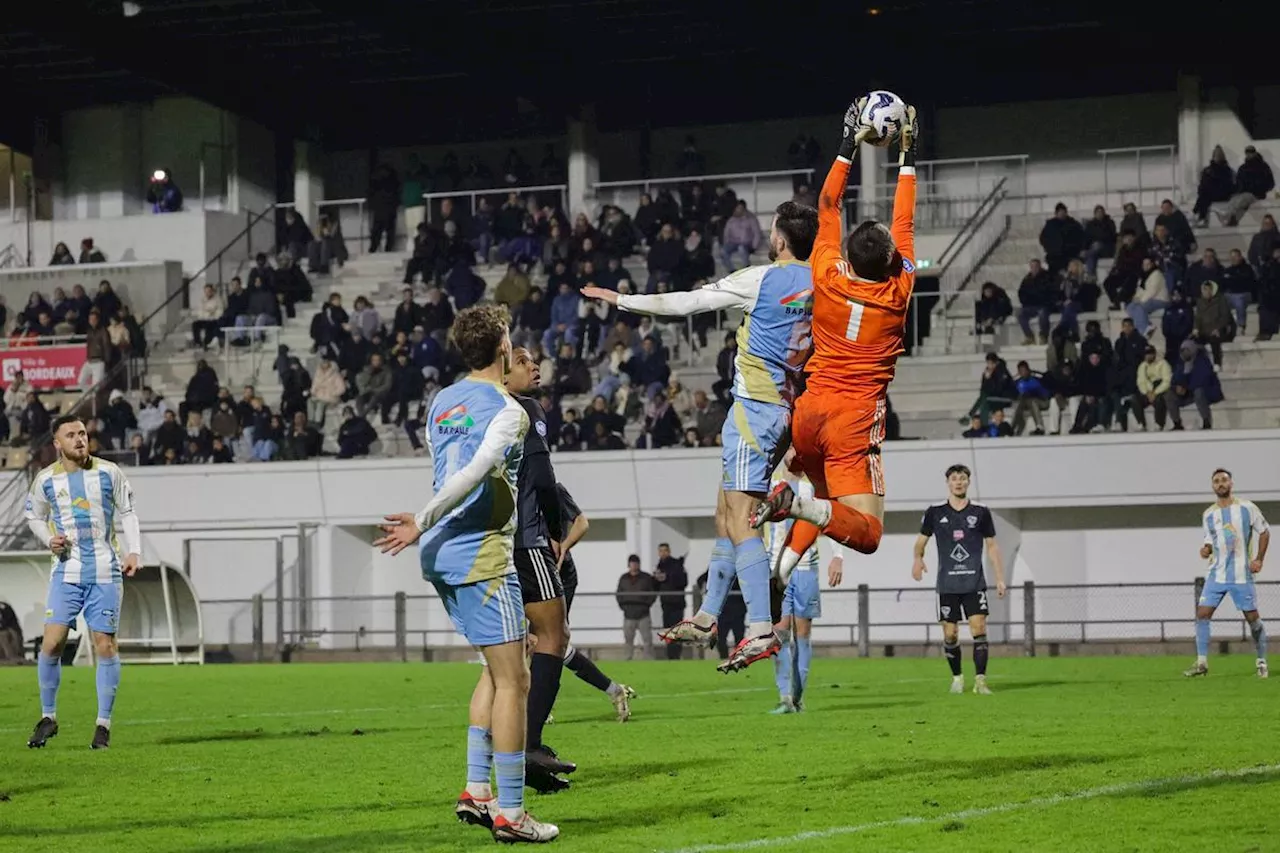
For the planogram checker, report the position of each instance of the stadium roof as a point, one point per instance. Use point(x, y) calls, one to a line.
point(363, 72)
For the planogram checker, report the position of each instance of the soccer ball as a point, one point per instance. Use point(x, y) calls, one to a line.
point(885, 114)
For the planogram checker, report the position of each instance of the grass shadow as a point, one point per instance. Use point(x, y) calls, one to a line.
point(636, 773)
point(263, 734)
point(1006, 686)
point(979, 768)
point(365, 840)
point(1179, 786)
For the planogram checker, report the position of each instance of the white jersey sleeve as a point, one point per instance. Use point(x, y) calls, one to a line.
point(122, 496)
point(740, 290)
point(37, 510)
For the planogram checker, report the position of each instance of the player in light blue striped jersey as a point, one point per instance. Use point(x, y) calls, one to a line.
point(1230, 525)
point(72, 509)
point(801, 601)
point(466, 544)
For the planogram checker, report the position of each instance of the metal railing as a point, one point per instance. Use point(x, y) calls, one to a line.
point(246, 346)
point(1110, 155)
point(1034, 618)
point(778, 184)
point(497, 195)
point(966, 177)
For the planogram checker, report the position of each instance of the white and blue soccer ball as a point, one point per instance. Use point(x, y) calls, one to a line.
point(884, 113)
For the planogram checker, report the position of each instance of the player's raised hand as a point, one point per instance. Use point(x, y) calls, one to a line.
point(918, 569)
point(131, 562)
point(601, 293)
point(853, 125)
point(910, 133)
point(835, 570)
point(401, 531)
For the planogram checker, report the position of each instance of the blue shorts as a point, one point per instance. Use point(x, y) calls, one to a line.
point(487, 613)
point(751, 435)
point(801, 598)
point(1243, 595)
point(99, 602)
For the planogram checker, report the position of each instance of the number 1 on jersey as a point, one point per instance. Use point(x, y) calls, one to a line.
point(856, 310)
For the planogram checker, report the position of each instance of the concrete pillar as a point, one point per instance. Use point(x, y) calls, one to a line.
point(584, 164)
point(873, 178)
point(308, 179)
point(1190, 154)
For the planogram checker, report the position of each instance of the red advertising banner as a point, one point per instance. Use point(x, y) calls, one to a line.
point(46, 368)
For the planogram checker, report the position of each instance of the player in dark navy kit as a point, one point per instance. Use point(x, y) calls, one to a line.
point(539, 532)
point(963, 530)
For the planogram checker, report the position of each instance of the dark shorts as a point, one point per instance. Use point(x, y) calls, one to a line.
point(954, 606)
point(539, 579)
point(569, 582)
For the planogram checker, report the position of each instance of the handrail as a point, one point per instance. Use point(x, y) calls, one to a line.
point(520, 190)
point(1135, 149)
point(969, 226)
point(694, 179)
point(41, 341)
point(925, 165)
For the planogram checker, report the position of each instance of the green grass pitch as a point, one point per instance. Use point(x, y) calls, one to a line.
point(1088, 754)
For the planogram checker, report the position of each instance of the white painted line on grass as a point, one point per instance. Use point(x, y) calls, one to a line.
point(969, 814)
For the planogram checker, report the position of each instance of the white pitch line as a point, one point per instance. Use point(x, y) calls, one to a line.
point(969, 814)
point(326, 712)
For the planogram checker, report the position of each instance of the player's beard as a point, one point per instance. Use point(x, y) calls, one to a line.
point(773, 253)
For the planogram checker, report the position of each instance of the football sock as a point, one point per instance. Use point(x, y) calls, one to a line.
point(613, 689)
point(952, 651)
point(1259, 631)
point(753, 576)
point(816, 511)
point(479, 762)
point(720, 574)
point(1202, 639)
point(49, 674)
point(586, 669)
point(510, 771)
point(108, 681)
point(800, 676)
point(854, 529)
point(782, 666)
point(980, 651)
point(544, 686)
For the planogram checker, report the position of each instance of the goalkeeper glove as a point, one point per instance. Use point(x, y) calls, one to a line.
point(907, 138)
point(854, 130)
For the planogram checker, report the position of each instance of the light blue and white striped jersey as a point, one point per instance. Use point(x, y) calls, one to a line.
point(474, 541)
point(83, 506)
point(776, 335)
point(775, 532)
point(1230, 531)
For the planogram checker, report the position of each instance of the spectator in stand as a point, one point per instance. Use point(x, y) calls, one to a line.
point(373, 385)
point(202, 391)
point(1093, 381)
point(1195, 382)
point(741, 234)
point(1062, 239)
point(615, 274)
point(407, 385)
point(426, 262)
point(601, 438)
point(1151, 297)
point(329, 247)
point(666, 257)
point(557, 251)
point(1263, 244)
point(571, 374)
point(691, 161)
point(364, 317)
point(661, 425)
point(428, 356)
point(43, 326)
point(647, 221)
point(1254, 182)
point(106, 301)
point(599, 413)
point(1240, 285)
point(207, 325)
point(726, 369)
point(722, 207)
point(237, 304)
point(998, 427)
point(1155, 378)
point(533, 319)
point(169, 436)
point(680, 397)
point(36, 304)
point(296, 384)
point(330, 328)
point(67, 326)
point(648, 368)
point(416, 180)
point(1175, 222)
point(513, 289)
point(700, 264)
point(262, 272)
point(803, 153)
point(263, 310)
point(1130, 349)
point(707, 416)
point(300, 441)
point(1032, 400)
point(98, 353)
point(1100, 239)
point(61, 256)
point(225, 424)
point(408, 313)
point(1269, 297)
point(593, 319)
point(569, 439)
point(637, 591)
point(617, 236)
point(996, 390)
point(1066, 393)
point(198, 433)
point(672, 581)
point(34, 421)
point(1177, 325)
point(1171, 256)
point(1204, 270)
point(1038, 295)
point(1075, 289)
point(992, 309)
point(15, 400)
point(121, 340)
point(564, 319)
point(977, 429)
point(695, 208)
point(1217, 184)
point(163, 194)
point(384, 202)
point(1213, 320)
point(297, 234)
point(437, 313)
point(1134, 221)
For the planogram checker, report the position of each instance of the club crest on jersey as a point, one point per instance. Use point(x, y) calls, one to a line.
point(798, 303)
point(455, 421)
point(971, 520)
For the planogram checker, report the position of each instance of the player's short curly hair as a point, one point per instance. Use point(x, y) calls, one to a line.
point(798, 225)
point(477, 334)
point(871, 252)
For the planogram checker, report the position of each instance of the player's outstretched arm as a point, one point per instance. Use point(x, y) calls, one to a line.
point(903, 227)
point(831, 197)
point(736, 290)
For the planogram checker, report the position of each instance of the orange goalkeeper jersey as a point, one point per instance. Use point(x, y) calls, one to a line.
point(858, 325)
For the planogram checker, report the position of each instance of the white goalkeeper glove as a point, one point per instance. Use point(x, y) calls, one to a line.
point(910, 133)
point(854, 129)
